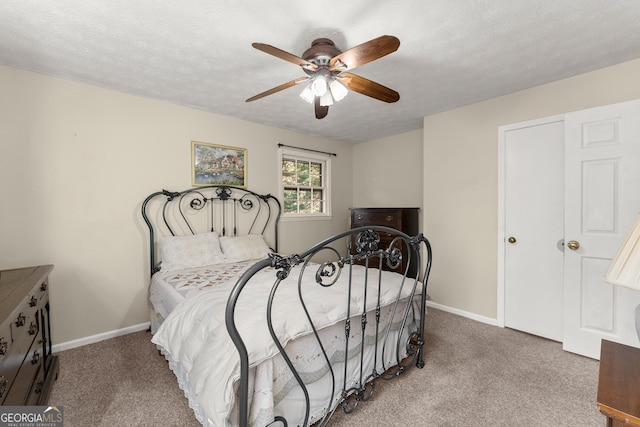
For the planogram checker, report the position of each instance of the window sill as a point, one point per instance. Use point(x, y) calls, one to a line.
point(287, 218)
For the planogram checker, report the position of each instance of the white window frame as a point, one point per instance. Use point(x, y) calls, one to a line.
point(284, 152)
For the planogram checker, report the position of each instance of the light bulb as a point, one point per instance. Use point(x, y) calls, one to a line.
point(338, 90)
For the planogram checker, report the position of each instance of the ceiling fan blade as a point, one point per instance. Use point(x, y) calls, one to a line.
point(364, 53)
point(279, 53)
point(368, 87)
point(283, 86)
point(321, 110)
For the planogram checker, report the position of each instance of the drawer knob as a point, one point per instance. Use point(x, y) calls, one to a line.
point(389, 218)
point(43, 287)
point(359, 217)
point(33, 328)
point(36, 357)
point(20, 320)
point(3, 346)
point(33, 301)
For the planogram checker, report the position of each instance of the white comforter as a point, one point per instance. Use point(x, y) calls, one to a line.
point(194, 334)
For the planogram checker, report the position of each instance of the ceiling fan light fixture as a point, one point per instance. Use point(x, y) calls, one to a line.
point(319, 85)
point(307, 94)
point(338, 90)
point(326, 100)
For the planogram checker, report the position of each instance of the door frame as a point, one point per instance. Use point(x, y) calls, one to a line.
point(501, 243)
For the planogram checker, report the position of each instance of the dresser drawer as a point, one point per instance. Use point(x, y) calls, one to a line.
point(385, 217)
point(24, 329)
point(23, 390)
point(20, 336)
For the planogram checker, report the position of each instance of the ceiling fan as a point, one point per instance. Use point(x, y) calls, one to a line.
point(326, 67)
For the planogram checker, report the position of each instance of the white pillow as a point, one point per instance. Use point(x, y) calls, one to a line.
point(180, 252)
point(244, 248)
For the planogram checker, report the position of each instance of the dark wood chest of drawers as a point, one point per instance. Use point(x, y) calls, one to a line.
point(403, 219)
point(619, 384)
point(27, 366)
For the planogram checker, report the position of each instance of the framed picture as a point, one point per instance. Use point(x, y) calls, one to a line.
point(213, 164)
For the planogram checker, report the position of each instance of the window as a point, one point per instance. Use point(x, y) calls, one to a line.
point(305, 190)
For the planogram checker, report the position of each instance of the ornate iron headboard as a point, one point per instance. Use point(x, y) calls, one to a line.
point(231, 211)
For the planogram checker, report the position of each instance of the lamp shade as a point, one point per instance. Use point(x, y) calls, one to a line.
point(625, 267)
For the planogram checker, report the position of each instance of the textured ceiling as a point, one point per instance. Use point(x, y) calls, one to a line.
point(198, 53)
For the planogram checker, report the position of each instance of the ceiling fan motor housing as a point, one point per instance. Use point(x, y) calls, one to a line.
point(321, 52)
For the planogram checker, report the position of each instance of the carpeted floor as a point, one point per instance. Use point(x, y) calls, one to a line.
point(475, 375)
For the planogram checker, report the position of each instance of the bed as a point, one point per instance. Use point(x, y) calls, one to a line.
point(256, 337)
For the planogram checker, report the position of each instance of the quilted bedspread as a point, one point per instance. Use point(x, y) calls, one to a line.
point(194, 334)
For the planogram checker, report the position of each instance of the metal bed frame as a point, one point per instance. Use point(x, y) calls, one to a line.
point(356, 246)
point(228, 210)
point(365, 251)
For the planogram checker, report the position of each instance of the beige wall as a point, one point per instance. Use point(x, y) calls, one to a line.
point(388, 172)
point(461, 178)
point(75, 163)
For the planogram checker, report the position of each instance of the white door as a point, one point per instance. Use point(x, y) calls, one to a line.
point(602, 199)
point(533, 223)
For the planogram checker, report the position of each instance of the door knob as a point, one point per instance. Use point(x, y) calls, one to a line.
point(573, 245)
point(511, 239)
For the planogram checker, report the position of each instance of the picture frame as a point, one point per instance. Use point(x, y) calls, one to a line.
point(213, 164)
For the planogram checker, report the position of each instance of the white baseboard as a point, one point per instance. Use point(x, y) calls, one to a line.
point(99, 337)
point(473, 316)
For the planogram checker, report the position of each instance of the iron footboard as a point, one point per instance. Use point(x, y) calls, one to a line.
point(397, 327)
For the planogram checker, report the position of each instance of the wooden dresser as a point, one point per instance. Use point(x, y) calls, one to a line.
point(619, 384)
point(27, 366)
point(403, 219)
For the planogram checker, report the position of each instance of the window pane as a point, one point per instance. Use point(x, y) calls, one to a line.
point(290, 194)
point(288, 172)
point(303, 173)
point(290, 200)
point(289, 179)
point(290, 206)
point(317, 194)
point(304, 207)
point(288, 165)
point(316, 168)
point(316, 174)
point(305, 194)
